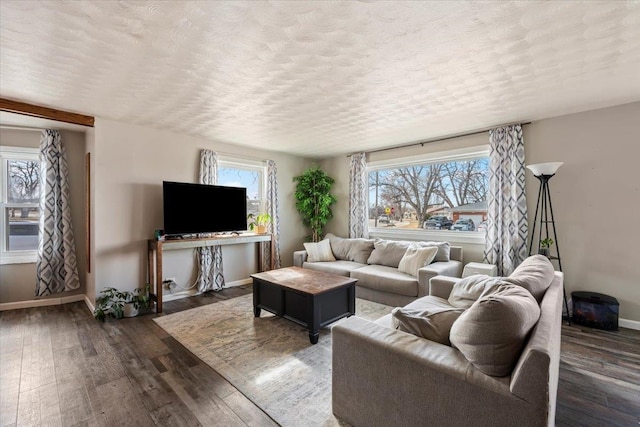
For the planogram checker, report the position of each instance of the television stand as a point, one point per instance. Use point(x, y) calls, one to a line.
point(155, 249)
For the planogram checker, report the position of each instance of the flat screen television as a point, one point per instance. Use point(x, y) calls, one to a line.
point(199, 208)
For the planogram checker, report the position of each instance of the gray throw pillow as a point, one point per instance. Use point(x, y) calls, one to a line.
point(535, 274)
point(468, 290)
point(492, 332)
point(433, 324)
point(357, 250)
point(444, 250)
point(388, 252)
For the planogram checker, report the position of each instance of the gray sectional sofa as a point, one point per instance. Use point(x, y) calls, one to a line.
point(500, 368)
point(374, 262)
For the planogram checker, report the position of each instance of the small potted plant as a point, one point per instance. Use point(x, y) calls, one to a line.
point(545, 244)
point(259, 222)
point(118, 304)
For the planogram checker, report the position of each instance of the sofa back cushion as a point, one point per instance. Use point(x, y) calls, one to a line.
point(390, 252)
point(493, 331)
point(319, 252)
point(357, 250)
point(415, 258)
point(468, 290)
point(433, 324)
point(535, 274)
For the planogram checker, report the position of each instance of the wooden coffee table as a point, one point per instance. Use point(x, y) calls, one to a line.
point(309, 298)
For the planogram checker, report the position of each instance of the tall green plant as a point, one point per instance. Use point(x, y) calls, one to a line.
point(313, 200)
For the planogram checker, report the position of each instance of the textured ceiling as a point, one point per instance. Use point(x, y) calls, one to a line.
point(320, 78)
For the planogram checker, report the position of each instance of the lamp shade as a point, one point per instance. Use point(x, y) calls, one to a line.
point(545, 168)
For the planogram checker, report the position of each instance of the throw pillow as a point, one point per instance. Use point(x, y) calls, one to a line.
point(444, 250)
point(388, 252)
point(493, 331)
point(415, 258)
point(433, 324)
point(319, 252)
point(535, 274)
point(357, 250)
point(468, 290)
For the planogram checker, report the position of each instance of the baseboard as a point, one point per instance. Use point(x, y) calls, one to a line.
point(89, 304)
point(246, 281)
point(629, 324)
point(41, 302)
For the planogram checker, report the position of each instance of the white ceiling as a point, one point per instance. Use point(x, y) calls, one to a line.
point(320, 78)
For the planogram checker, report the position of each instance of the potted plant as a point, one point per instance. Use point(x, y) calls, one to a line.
point(314, 200)
point(259, 222)
point(545, 244)
point(118, 304)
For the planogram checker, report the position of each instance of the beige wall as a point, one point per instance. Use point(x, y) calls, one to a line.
point(130, 164)
point(595, 195)
point(596, 198)
point(18, 280)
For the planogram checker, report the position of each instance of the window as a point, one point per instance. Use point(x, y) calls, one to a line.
point(447, 192)
point(247, 174)
point(20, 193)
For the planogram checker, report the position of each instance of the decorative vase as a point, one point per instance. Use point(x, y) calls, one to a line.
point(543, 251)
point(130, 310)
point(261, 229)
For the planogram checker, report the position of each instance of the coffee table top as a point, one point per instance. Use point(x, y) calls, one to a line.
point(305, 280)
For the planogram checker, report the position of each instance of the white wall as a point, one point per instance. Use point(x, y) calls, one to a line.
point(19, 280)
point(595, 195)
point(130, 164)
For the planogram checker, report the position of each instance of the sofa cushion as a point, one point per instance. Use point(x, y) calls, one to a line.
point(432, 324)
point(493, 331)
point(342, 268)
point(468, 290)
point(319, 252)
point(444, 250)
point(357, 250)
point(386, 279)
point(425, 303)
point(388, 252)
point(415, 258)
point(535, 274)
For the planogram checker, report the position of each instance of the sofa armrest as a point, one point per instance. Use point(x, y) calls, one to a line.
point(299, 258)
point(381, 376)
point(441, 286)
point(450, 268)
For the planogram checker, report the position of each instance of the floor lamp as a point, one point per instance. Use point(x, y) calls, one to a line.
point(544, 172)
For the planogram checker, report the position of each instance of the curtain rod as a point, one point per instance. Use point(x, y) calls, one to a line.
point(427, 141)
point(14, 127)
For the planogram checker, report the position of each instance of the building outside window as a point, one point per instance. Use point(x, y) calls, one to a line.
point(20, 194)
point(248, 174)
point(435, 193)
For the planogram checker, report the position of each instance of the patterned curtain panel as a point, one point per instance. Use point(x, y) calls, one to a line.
point(274, 226)
point(358, 203)
point(56, 268)
point(211, 276)
point(506, 242)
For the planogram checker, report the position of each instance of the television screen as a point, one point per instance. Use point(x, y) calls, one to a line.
point(199, 208)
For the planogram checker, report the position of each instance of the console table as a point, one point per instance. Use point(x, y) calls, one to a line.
point(156, 247)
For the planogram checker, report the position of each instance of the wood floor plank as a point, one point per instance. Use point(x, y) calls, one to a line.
point(59, 362)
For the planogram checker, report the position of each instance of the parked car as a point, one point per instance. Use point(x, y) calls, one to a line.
point(437, 223)
point(464, 225)
point(384, 218)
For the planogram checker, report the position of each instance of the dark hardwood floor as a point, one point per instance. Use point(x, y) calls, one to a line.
point(61, 367)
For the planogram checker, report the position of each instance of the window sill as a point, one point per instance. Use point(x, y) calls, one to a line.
point(21, 258)
point(469, 237)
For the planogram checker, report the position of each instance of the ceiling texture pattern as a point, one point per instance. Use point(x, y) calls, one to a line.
point(319, 78)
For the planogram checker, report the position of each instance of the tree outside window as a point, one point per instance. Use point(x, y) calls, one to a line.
point(234, 174)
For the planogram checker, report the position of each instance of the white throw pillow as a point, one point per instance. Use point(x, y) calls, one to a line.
point(319, 252)
point(415, 258)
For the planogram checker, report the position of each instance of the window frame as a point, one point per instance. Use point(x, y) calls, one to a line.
point(469, 153)
point(13, 153)
point(232, 162)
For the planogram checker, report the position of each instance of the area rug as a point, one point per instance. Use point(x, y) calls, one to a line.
point(268, 359)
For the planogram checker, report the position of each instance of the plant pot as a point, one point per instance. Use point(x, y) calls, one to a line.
point(543, 251)
point(261, 229)
point(130, 310)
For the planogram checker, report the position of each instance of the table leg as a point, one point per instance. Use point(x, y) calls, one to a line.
point(159, 280)
point(313, 337)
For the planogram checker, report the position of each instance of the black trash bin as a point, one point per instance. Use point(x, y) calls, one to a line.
point(595, 310)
